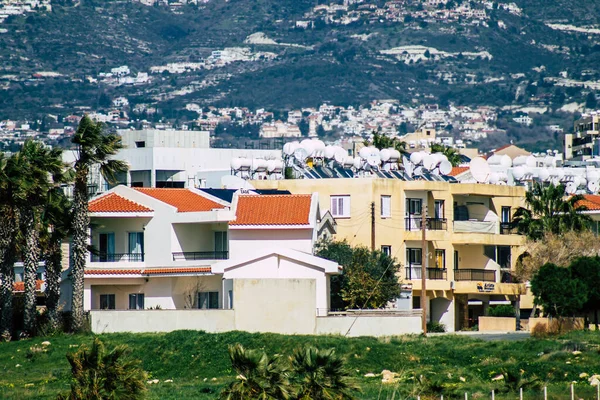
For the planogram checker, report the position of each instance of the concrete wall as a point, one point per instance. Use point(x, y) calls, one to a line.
point(505, 324)
point(275, 305)
point(285, 306)
point(243, 241)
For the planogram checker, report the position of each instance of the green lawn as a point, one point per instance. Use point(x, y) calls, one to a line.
point(198, 364)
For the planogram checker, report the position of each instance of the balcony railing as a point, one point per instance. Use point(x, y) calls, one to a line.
point(482, 275)
point(201, 255)
point(117, 257)
point(414, 273)
point(508, 228)
point(414, 223)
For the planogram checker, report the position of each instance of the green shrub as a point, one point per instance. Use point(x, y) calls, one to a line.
point(503, 310)
point(436, 327)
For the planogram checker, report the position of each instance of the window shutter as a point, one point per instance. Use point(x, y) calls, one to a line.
point(334, 208)
point(346, 210)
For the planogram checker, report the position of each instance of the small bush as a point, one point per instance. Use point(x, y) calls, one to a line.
point(503, 310)
point(539, 330)
point(436, 327)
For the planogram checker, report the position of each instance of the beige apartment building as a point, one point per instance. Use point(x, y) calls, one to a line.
point(471, 247)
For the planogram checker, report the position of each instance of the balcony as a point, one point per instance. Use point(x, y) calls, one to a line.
point(414, 223)
point(481, 275)
point(117, 257)
point(508, 228)
point(414, 273)
point(200, 255)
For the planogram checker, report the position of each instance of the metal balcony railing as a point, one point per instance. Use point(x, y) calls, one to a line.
point(508, 228)
point(482, 275)
point(117, 257)
point(200, 255)
point(414, 273)
point(414, 223)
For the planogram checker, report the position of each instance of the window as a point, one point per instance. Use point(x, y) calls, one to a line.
point(440, 258)
point(414, 206)
point(107, 301)
point(208, 300)
point(414, 256)
point(136, 246)
point(503, 256)
point(387, 250)
point(230, 298)
point(439, 209)
point(386, 206)
point(340, 206)
point(136, 301)
point(505, 214)
point(490, 252)
point(221, 246)
point(140, 144)
point(106, 246)
point(456, 258)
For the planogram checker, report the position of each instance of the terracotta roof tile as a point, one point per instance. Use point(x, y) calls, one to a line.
point(458, 170)
point(184, 200)
point(19, 287)
point(113, 271)
point(273, 210)
point(113, 203)
point(589, 201)
point(158, 271)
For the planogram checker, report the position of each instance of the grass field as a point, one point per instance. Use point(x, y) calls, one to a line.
point(198, 364)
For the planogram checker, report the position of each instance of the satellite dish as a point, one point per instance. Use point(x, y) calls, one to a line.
point(416, 158)
point(340, 155)
point(288, 149)
point(301, 154)
point(235, 182)
point(309, 146)
point(418, 171)
point(576, 181)
point(480, 170)
point(592, 175)
point(593, 186)
point(357, 162)
point(506, 161)
point(364, 152)
point(329, 152)
point(445, 167)
point(518, 173)
point(544, 174)
point(319, 148)
point(429, 162)
point(385, 155)
point(394, 155)
point(494, 178)
point(582, 181)
point(571, 188)
point(373, 160)
point(348, 162)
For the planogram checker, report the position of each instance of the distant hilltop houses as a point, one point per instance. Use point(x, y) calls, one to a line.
point(455, 126)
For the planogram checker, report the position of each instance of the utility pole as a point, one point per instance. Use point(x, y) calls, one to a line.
point(373, 226)
point(423, 270)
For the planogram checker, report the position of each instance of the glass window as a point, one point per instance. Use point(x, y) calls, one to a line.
point(208, 300)
point(386, 206)
point(439, 209)
point(136, 301)
point(136, 246)
point(106, 246)
point(221, 245)
point(505, 214)
point(387, 250)
point(340, 206)
point(107, 301)
point(414, 206)
point(414, 256)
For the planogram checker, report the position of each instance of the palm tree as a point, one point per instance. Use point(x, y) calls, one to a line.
point(9, 222)
point(382, 141)
point(259, 376)
point(98, 375)
point(451, 154)
point(94, 147)
point(56, 227)
point(549, 211)
point(38, 164)
point(320, 375)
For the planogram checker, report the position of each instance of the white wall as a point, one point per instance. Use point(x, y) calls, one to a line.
point(243, 241)
point(368, 326)
point(442, 311)
point(278, 267)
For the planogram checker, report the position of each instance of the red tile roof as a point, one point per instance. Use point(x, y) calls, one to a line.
point(19, 287)
point(113, 203)
point(589, 201)
point(113, 271)
point(188, 270)
point(273, 210)
point(149, 271)
point(184, 200)
point(458, 170)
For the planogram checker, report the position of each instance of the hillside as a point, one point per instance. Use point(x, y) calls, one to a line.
point(52, 60)
point(198, 364)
